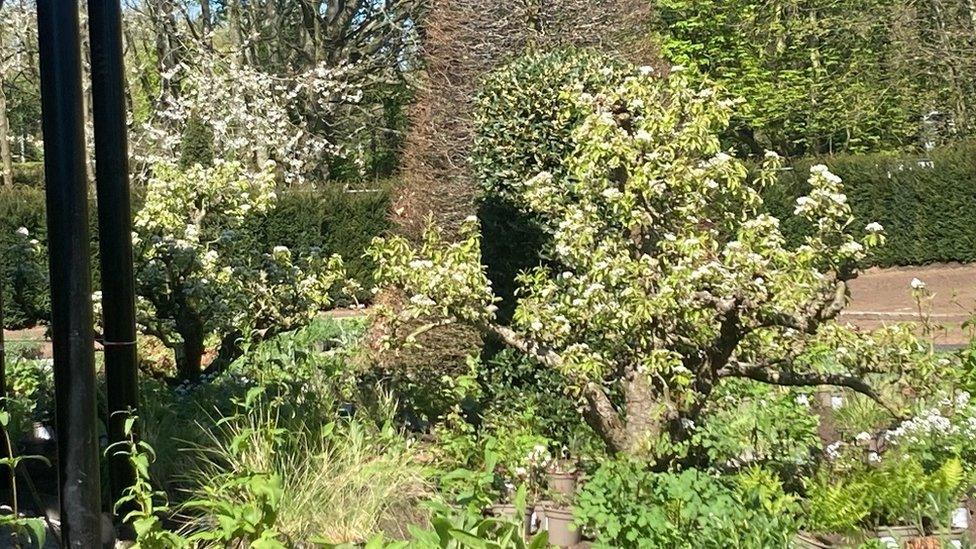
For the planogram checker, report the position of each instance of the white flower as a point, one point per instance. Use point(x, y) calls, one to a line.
point(863, 436)
point(471, 219)
point(721, 158)
point(803, 400)
point(803, 203)
point(772, 155)
point(917, 284)
point(833, 449)
point(422, 301)
point(874, 227)
point(873, 457)
point(962, 398)
point(23, 231)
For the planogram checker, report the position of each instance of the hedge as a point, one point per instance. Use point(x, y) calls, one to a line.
point(332, 220)
point(926, 203)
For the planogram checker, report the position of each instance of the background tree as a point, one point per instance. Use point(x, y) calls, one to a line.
point(821, 77)
point(17, 73)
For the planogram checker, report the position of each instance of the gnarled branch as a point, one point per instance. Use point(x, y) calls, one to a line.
point(767, 373)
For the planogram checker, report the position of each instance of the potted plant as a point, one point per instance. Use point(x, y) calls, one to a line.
point(530, 477)
point(925, 517)
point(562, 477)
point(560, 522)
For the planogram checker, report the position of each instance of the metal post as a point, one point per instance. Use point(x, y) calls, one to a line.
point(114, 227)
point(5, 475)
point(71, 308)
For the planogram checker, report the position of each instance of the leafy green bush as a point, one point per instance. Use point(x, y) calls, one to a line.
point(523, 126)
point(895, 492)
point(29, 174)
point(333, 220)
point(627, 505)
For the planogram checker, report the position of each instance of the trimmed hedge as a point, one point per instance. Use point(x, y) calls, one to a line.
point(332, 220)
point(927, 203)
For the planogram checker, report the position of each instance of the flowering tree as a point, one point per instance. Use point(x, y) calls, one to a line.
point(201, 272)
point(253, 116)
point(662, 275)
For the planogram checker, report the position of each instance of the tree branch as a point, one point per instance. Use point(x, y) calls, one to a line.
point(600, 412)
point(788, 378)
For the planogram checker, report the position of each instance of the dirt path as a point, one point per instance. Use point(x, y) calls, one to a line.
point(884, 295)
point(878, 296)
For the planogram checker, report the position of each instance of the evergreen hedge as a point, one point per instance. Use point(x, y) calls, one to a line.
point(927, 203)
point(332, 220)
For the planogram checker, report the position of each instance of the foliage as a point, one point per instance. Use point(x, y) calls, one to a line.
point(752, 423)
point(141, 504)
point(333, 220)
point(304, 219)
point(806, 74)
point(925, 202)
point(524, 128)
point(30, 393)
point(337, 477)
point(451, 529)
point(24, 268)
point(666, 277)
point(626, 505)
point(15, 526)
point(201, 270)
point(896, 492)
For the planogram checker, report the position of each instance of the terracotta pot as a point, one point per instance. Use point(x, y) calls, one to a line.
point(561, 527)
point(510, 512)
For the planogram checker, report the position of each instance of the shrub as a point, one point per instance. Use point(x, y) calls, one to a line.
point(202, 271)
point(341, 478)
point(664, 275)
point(626, 505)
point(898, 491)
point(523, 125)
point(332, 220)
point(29, 174)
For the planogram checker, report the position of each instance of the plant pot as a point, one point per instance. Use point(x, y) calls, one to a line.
point(562, 530)
point(563, 484)
point(911, 537)
point(510, 512)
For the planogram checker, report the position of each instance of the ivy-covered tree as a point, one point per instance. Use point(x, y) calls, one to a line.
point(203, 276)
point(662, 276)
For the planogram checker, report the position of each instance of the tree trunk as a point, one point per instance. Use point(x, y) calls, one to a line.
point(189, 354)
point(6, 162)
point(206, 20)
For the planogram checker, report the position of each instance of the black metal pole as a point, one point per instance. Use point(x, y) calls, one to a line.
point(62, 122)
point(114, 227)
point(4, 476)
